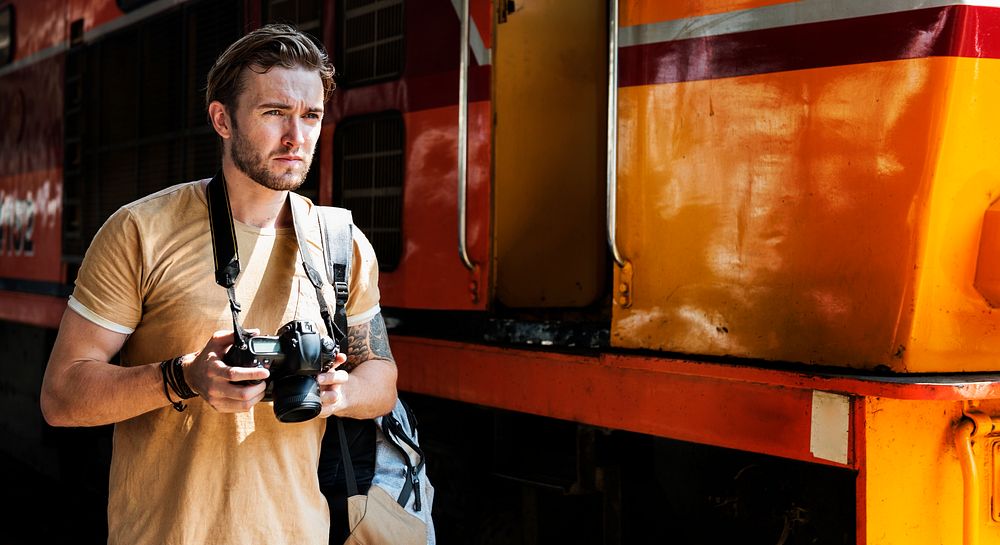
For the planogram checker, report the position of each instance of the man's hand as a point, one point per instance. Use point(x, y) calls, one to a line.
point(213, 380)
point(331, 386)
point(361, 391)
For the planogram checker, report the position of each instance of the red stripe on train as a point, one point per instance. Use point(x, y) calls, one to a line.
point(960, 31)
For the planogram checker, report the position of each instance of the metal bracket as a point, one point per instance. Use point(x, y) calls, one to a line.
point(474, 283)
point(623, 288)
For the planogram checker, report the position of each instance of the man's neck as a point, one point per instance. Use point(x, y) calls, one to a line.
point(254, 204)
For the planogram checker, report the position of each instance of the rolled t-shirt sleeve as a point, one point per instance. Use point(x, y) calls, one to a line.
point(107, 290)
point(363, 300)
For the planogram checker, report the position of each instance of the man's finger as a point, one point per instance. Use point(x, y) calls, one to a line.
point(333, 377)
point(223, 336)
point(220, 342)
point(242, 392)
point(233, 374)
point(330, 397)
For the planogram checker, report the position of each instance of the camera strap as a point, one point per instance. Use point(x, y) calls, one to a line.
point(338, 243)
point(227, 257)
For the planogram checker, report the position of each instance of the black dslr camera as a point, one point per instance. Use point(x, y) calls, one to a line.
point(294, 356)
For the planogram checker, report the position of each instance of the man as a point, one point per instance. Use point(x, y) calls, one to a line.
point(223, 470)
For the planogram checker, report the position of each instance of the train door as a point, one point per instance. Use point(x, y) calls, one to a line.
point(550, 145)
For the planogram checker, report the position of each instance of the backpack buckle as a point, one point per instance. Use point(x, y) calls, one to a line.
point(340, 288)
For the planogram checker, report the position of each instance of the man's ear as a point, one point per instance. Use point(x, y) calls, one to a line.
point(220, 119)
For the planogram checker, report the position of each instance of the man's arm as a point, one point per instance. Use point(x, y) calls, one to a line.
point(81, 387)
point(370, 389)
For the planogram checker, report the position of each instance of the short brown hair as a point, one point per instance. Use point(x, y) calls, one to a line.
point(261, 50)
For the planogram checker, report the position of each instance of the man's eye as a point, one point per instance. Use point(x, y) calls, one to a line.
point(311, 115)
point(273, 112)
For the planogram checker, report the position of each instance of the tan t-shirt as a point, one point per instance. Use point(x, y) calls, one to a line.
point(201, 477)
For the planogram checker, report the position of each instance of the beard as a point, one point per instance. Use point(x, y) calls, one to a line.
point(255, 165)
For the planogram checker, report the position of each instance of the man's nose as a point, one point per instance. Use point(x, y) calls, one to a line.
point(294, 133)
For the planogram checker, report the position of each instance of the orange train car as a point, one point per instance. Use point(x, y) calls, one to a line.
point(696, 271)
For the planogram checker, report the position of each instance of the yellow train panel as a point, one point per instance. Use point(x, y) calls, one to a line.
point(913, 481)
point(826, 215)
point(914, 491)
point(953, 326)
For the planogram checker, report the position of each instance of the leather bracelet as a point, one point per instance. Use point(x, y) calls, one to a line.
point(177, 382)
point(178, 406)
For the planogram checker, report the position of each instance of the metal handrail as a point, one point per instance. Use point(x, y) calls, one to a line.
point(613, 133)
point(463, 134)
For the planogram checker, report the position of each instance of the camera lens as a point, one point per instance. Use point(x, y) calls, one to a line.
point(296, 398)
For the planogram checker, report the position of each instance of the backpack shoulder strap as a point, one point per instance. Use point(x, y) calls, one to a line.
point(300, 212)
point(336, 226)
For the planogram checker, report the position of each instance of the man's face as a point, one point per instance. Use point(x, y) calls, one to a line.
point(275, 125)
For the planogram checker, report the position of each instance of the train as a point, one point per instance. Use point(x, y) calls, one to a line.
point(686, 271)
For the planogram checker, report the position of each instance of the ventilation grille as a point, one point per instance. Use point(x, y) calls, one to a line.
point(305, 15)
point(135, 118)
point(371, 41)
point(368, 153)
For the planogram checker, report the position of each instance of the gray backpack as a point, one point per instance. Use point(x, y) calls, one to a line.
point(396, 510)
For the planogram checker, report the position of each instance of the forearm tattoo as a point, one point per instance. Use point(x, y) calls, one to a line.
point(367, 341)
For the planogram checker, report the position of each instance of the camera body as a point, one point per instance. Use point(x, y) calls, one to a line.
point(295, 355)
